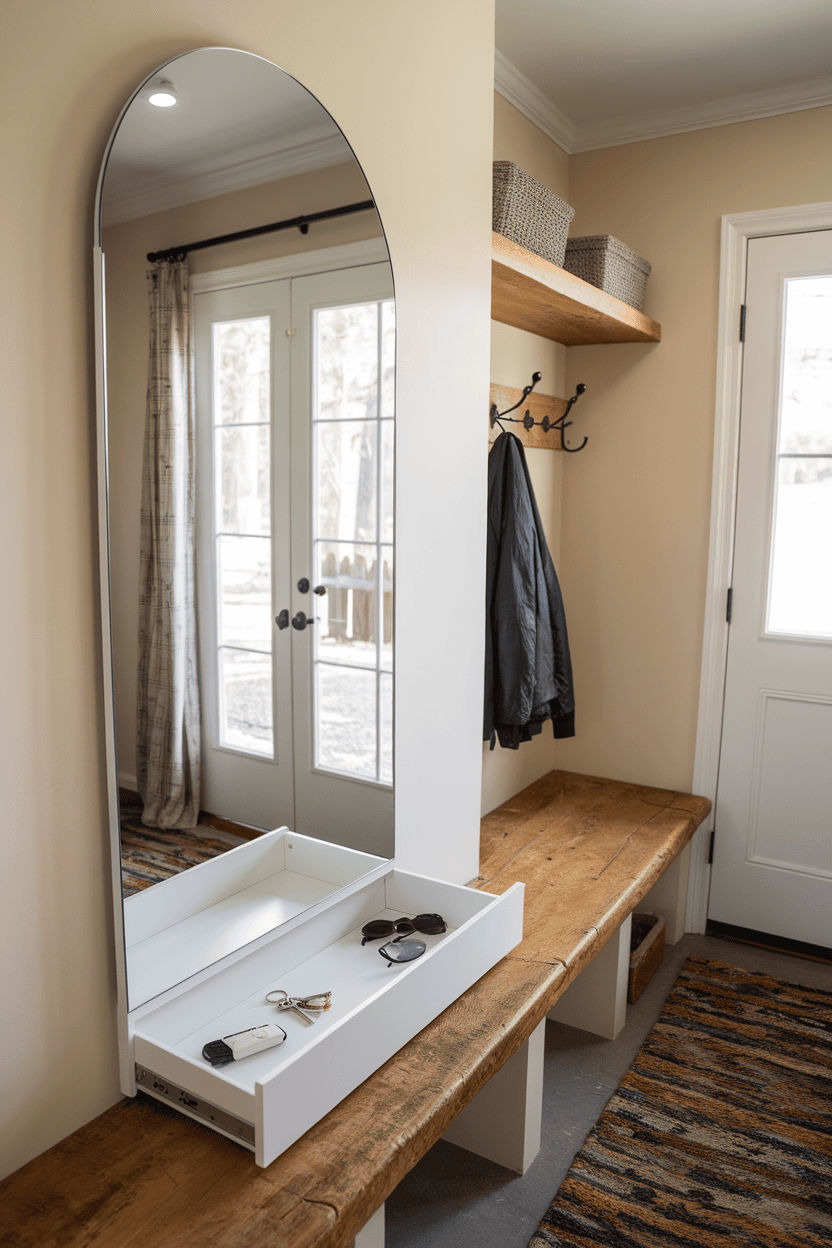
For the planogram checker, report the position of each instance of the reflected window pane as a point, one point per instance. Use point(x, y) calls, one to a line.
point(387, 440)
point(346, 480)
point(386, 647)
point(245, 582)
point(801, 585)
point(246, 701)
point(388, 358)
point(347, 624)
point(346, 342)
point(806, 412)
point(244, 492)
point(386, 728)
point(346, 706)
point(242, 370)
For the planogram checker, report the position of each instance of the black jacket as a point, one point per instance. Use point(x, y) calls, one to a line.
point(528, 673)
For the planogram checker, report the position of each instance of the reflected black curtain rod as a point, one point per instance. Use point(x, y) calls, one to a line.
point(300, 223)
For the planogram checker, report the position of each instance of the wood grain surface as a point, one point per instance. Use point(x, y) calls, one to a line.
point(532, 294)
point(539, 405)
point(142, 1176)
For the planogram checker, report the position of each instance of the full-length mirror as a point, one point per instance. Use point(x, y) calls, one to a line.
point(249, 430)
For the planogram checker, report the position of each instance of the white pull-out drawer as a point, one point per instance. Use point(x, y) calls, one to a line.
point(376, 1009)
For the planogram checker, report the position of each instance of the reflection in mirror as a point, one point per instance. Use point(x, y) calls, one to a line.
point(250, 417)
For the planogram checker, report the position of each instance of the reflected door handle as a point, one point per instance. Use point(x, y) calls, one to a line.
point(282, 620)
point(319, 589)
point(301, 620)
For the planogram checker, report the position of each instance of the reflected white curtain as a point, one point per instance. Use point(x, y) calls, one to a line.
point(167, 729)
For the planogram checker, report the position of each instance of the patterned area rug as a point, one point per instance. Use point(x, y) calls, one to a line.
point(721, 1131)
point(149, 855)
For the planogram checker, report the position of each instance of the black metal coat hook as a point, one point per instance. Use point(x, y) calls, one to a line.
point(561, 424)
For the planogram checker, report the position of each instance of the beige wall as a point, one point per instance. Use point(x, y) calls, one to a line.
point(125, 250)
point(393, 78)
point(636, 500)
point(515, 356)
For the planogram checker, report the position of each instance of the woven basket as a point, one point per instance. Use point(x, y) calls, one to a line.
point(609, 264)
point(529, 213)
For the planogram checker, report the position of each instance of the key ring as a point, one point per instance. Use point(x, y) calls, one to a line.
point(317, 1001)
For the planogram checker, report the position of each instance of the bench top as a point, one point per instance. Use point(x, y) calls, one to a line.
point(140, 1174)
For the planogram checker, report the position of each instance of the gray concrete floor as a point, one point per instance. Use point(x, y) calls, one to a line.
point(454, 1199)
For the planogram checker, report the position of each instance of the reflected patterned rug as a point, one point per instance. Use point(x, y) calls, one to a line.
point(720, 1133)
point(150, 855)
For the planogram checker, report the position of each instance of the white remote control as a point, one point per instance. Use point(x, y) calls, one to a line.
point(243, 1044)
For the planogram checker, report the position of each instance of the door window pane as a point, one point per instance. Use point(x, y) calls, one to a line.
point(346, 714)
point(243, 488)
point(245, 592)
point(800, 591)
point(242, 351)
point(801, 576)
point(347, 480)
point(347, 615)
point(246, 701)
point(347, 354)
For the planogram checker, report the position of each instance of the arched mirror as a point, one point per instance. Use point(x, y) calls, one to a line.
point(247, 327)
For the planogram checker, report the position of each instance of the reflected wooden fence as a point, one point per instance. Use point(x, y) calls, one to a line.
point(351, 598)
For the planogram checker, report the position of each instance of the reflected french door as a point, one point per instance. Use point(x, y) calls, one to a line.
point(295, 438)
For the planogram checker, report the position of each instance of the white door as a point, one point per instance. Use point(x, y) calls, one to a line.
point(242, 364)
point(772, 868)
point(342, 543)
point(294, 392)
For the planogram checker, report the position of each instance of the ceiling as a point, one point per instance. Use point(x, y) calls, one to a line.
point(239, 121)
point(595, 73)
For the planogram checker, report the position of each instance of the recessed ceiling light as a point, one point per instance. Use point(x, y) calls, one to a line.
point(161, 94)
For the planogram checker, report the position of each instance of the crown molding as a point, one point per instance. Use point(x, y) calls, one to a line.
point(532, 103)
point(255, 170)
point(515, 87)
point(725, 112)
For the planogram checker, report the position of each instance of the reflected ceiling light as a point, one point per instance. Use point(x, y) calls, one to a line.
point(162, 94)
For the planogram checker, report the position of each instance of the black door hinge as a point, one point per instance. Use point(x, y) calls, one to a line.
point(742, 323)
point(711, 846)
point(728, 605)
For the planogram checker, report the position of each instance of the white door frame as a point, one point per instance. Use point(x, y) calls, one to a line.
point(736, 230)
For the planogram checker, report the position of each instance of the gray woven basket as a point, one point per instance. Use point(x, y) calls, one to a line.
point(609, 264)
point(529, 213)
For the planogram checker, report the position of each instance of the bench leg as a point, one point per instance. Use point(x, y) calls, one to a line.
point(668, 897)
point(597, 1000)
point(502, 1122)
point(371, 1234)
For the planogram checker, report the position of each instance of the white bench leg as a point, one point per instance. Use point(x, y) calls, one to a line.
point(597, 1000)
point(502, 1122)
point(668, 897)
point(371, 1234)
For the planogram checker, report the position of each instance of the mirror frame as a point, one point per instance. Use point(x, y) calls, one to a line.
point(102, 427)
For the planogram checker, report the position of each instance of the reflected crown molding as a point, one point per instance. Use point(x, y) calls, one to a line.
point(520, 91)
point(256, 168)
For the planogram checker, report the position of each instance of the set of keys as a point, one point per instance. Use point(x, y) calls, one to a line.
point(318, 1002)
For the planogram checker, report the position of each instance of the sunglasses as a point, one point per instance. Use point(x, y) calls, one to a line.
point(400, 949)
point(430, 924)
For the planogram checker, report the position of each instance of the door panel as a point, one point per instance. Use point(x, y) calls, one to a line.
point(342, 544)
point(243, 516)
point(772, 867)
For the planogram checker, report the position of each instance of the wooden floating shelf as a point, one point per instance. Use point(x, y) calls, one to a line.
point(530, 293)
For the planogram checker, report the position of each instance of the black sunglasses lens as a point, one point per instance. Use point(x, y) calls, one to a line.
point(402, 950)
point(376, 928)
point(430, 924)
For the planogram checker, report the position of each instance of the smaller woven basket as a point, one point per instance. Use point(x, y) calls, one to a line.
point(529, 213)
point(609, 264)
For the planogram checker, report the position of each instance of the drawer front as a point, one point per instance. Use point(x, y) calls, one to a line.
point(299, 1096)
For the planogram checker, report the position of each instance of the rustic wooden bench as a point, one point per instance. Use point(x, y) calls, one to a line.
point(589, 851)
